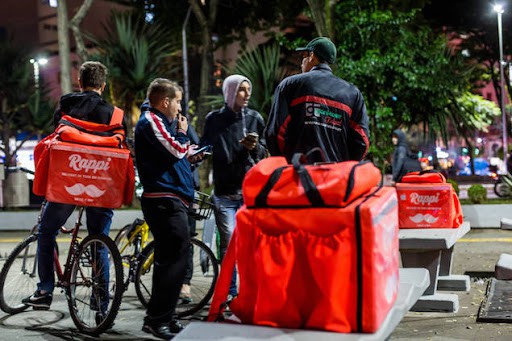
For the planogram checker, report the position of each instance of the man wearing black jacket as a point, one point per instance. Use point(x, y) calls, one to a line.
point(235, 133)
point(89, 106)
point(316, 109)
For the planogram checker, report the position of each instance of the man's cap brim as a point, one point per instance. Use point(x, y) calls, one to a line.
point(301, 49)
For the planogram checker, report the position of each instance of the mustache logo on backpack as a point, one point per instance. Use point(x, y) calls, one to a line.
point(79, 189)
point(428, 218)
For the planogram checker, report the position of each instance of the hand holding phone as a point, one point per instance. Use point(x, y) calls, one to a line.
point(207, 150)
point(250, 141)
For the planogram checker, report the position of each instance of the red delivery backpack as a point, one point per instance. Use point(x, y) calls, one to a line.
point(426, 200)
point(85, 163)
point(316, 247)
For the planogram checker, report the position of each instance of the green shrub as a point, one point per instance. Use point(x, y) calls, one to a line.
point(477, 194)
point(455, 185)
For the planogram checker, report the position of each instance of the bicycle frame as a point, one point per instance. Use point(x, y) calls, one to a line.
point(143, 231)
point(63, 277)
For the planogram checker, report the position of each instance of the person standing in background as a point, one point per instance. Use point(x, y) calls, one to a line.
point(235, 133)
point(316, 109)
point(403, 160)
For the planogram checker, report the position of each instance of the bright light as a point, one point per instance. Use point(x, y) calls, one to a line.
point(53, 3)
point(479, 140)
point(498, 8)
point(40, 61)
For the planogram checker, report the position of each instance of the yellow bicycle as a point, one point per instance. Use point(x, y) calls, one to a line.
point(136, 248)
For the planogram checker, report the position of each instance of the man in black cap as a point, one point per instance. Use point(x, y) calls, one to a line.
point(318, 109)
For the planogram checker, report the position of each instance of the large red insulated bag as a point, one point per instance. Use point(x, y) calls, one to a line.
point(310, 254)
point(426, 200)
point(85, 163)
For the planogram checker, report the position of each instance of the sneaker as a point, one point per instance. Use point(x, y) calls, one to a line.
point(39, 301)
point(175, 326)
point(161, 331)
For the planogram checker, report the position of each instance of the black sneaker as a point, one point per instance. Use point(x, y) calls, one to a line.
point(175, 326)
point(160, 330)
point(39, 301)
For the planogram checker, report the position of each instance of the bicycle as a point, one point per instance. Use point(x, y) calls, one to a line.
point(93, 303)
point(137, 256)
point(503, 185)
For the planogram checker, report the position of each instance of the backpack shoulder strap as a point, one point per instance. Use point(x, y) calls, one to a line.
point(117, 116)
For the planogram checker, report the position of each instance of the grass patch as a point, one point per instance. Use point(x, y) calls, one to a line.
point(496, 201)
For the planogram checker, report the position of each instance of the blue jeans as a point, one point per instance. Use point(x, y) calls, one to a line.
point(225, 209)
point(54, 216)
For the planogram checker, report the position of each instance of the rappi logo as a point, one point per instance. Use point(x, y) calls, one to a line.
point(77, 163)
point(418, 199)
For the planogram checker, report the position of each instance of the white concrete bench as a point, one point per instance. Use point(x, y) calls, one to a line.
point(412, 284)
point(432, 249)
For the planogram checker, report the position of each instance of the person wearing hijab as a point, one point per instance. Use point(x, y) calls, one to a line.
point(403, 160)
point(235, 133)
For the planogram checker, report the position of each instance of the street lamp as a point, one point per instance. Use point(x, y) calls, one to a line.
point(37, 63)
point(499, 11)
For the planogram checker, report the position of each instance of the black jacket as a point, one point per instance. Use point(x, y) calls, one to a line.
point(318, 109)
point(223, 130)
point(86, 106)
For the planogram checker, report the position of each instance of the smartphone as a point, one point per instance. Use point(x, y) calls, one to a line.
point(207, 150)
point(252, 136)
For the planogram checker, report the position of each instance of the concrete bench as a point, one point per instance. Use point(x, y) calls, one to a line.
point(412, 284)
point(432, 249)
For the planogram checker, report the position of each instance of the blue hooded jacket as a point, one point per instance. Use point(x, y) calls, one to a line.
point(161, 158)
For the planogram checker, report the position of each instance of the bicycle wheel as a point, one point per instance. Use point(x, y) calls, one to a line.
point(144, 277)
point(19, 277)
point(96, 284)
point(202, 284)
point(126, 248)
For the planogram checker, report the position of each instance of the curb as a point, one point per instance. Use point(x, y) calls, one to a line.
point(25, 220)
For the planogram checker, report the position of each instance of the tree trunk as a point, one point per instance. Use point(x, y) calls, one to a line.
point(64, 54)
point(128, 114)
point(206, 24)
point(74, 25)
point(470, 152)
point(321, 10)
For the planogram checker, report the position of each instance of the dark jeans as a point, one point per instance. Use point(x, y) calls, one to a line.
point(168, 222)
point(55, 216)
point(190, 261)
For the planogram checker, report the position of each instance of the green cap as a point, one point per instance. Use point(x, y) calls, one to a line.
point(323, 48)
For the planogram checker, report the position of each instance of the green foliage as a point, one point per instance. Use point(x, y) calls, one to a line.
point(455, 185)
point(406, 71)
point(261, 66)
point(477, 194)
point(478, 113)
point(135, 53)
